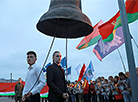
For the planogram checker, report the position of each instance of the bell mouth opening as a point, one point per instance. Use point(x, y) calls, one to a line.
point(64, 28)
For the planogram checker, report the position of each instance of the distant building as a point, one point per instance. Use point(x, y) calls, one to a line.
point(2, 80)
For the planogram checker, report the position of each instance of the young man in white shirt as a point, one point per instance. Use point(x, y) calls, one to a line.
point(33, 94)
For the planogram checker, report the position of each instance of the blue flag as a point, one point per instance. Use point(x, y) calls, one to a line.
point(45, 68)
point(78, 69)
point(89, 72)
point(63, 63)
point(68, 71)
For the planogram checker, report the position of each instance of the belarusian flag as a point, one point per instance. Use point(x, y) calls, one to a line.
point(107, 30)
point(91, 38)
point(7, 89)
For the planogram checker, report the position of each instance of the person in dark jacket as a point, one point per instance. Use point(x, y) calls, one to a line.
point(18, 91)
point(92, 91)
point(56, 80)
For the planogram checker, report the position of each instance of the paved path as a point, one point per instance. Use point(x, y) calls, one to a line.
point(6, 99)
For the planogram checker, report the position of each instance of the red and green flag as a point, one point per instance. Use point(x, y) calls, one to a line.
point(7, 89)
point(91, 38)
point(108, 29)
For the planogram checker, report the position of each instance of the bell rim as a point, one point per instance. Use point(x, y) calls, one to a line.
point(40, 24)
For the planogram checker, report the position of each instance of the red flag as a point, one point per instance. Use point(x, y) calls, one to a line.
point(131, 6)
point(90, 39)
point(82, 72)
point(7, 89)
point(107, 30)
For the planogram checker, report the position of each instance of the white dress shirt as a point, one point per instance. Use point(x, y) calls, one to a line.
point(31, 77)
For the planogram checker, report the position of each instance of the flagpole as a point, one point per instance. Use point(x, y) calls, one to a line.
point(129, 51)
point(66, 59)
point(121, 60)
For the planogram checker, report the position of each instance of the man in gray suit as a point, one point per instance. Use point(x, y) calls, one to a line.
point(56, 80)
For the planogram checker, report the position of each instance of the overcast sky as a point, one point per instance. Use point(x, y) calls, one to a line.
point(18, 34)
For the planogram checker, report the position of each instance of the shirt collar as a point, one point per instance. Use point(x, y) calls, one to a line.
point(31, 67)
point(57, 65)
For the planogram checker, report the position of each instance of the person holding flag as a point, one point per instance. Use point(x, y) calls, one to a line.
point(85, 87)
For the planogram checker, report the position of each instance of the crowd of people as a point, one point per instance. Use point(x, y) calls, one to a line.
point(113, 89)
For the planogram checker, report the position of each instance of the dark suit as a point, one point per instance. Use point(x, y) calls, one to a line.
point(56, 83)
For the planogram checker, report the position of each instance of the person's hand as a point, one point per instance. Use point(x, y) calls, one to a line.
point(129, 89)
point(65, 95)
point(109, 87)
point(23, 98)
point(118, 83)
point(91, 92)
point(28, 95)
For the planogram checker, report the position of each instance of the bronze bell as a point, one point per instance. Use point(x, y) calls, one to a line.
point(64, 19)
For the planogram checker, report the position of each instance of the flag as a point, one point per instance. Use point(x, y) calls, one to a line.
point(104, 48)
point(63, 63)
point(107, 30)
point(7, 89)
point(82, 72)
point(68, 71)
point(45, 68)
point(89, 72)
point(91, 38)
point(78, 69)
point(132, 10)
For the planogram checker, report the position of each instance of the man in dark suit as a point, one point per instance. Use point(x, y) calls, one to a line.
point(56, 80)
